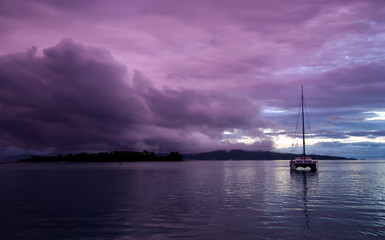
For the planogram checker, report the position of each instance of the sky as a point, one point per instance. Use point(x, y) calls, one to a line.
point(192, 76)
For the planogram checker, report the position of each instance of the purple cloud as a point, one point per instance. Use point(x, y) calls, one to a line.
point(76, 97)
point(71, 97)
point(204, 68)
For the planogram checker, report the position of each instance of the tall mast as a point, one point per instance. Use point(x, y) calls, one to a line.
point(303, 125)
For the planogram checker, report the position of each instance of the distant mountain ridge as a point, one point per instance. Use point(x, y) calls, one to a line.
point(253, 155)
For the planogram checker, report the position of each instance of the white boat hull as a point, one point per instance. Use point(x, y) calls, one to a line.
point(304, 163)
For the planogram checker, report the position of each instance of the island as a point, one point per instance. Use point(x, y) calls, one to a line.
point(116, 156)
point(146, 156)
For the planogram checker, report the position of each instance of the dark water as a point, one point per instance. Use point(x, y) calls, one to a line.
point(193, 200)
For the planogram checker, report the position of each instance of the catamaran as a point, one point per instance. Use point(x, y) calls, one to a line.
point(303, 161)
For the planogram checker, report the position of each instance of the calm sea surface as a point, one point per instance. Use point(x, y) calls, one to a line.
point(192, 200)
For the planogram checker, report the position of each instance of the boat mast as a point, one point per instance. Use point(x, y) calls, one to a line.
point(303, 125)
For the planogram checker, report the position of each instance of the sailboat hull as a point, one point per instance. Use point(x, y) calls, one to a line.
point(304, 163)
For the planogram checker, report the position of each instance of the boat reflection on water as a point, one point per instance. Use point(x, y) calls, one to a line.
point(304, 181)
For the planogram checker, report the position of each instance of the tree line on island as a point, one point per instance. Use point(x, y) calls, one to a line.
point(116, 156)
point(146, 156)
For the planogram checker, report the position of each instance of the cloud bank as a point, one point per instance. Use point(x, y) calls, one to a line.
point(79, 98)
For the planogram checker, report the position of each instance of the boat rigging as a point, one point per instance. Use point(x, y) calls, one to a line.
point(303, 161)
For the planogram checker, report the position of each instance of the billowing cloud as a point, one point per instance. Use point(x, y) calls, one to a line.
point(76, 97)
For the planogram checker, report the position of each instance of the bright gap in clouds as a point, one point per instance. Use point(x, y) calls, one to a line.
point(316, 145)
point(234, 136)
point(281, 139)
point(376, 116)
point(268, 110)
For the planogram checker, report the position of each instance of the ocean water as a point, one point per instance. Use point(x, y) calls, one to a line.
point(192, 200)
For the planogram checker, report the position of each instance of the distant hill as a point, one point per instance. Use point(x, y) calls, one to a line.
point(252, 155)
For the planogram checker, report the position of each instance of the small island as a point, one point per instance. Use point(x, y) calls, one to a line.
point(116, 156)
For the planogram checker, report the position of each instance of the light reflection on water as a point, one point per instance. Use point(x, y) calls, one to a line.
point(193, 200)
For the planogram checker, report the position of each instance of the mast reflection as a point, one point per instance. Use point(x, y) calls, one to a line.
point(305, 207)
point(301, 178)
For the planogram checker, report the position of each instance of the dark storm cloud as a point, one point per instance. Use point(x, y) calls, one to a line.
point(192, 108)
point(76, 97)
point(73, 96)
